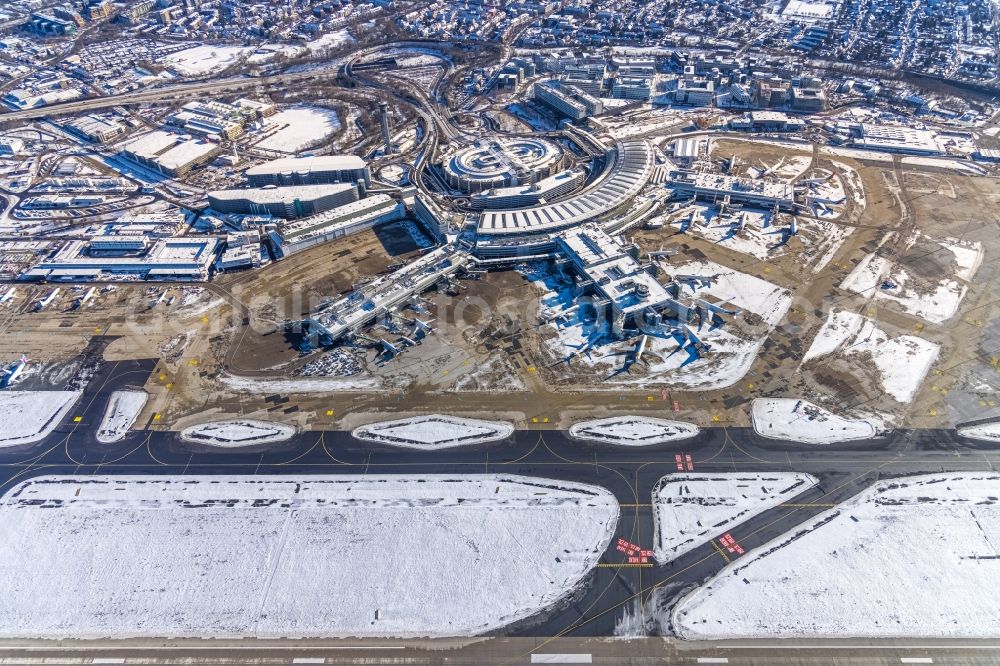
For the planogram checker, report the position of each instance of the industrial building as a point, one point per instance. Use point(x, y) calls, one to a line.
point(310, 171)
point(767, 121)
point(96, 128)
point(169, 154)
point(289, 202)
point(686, 151)
point(10, 146)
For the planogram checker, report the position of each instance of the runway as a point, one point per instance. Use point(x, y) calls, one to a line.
point(613, 588)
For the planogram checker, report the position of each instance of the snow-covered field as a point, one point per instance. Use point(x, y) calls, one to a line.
point(323, 556)
point(961, 166)
point(237, 432)
point(901, 362)
point(204, 59)
point(935, 300)
point(300, 127)
point(28, 416)
point(691, 509)
point(330, 40)
point(434, 432)
point(632, 430)
point(802, 421)
point(914, 557)
point(986, 432)
point(123, 409)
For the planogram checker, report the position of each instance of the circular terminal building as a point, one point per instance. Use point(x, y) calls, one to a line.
point(501, 162)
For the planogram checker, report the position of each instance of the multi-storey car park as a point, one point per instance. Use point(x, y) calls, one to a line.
point(501, 162)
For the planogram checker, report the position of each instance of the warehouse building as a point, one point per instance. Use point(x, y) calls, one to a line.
point(314, 170)
point(10, 146)
point(290, 202)
point(172, 155)
point(96, 128)
point(895, 139)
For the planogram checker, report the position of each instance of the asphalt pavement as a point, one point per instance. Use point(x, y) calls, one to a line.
point(615, 587)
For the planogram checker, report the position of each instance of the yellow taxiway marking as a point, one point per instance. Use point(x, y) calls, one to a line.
point(804, 505)
point(623, 565)
point(720, 551)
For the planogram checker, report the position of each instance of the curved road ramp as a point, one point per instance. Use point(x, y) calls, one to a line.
point(327, 556)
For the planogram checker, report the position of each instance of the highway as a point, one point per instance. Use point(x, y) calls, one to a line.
point(574, 627)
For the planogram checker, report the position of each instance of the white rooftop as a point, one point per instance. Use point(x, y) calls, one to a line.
point(314, 163)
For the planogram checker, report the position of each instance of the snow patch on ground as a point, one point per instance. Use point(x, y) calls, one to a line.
point(901, 362)
point(304, 385)
point(633, 430)
point(691, 509)
point(935, 300)
point(986, 432)
point(802, 421)
point(330, 40)
point(301, 127)
point(434, 432)
point(914, 557)
point(29, 416)
point(204, 59)
point(238, 432)
point(304, 556)
point(123, 409)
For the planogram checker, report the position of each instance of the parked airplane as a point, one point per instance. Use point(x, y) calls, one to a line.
point(48, 300)
point(13, 371)
point(80, 302)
